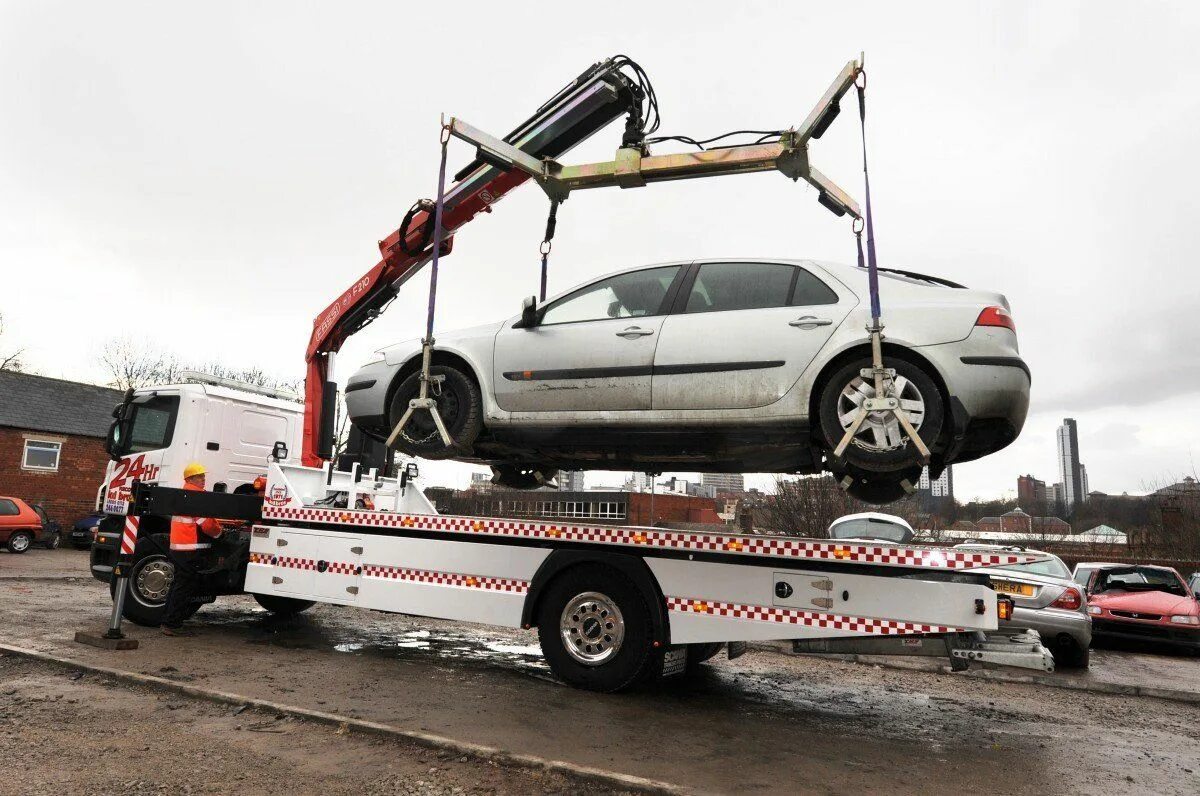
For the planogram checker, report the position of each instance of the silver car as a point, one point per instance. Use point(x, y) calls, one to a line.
point(716, 366)
point(1047, 600)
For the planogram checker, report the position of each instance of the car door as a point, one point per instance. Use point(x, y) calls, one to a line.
point(742, 333)
point(591, 350)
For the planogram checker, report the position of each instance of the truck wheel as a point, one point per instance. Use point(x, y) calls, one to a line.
point(149, 582)
point(594, 628)
point(880, 445)
point(283, 606)
point(459, 405)
point(19, 542)
point(699, 653)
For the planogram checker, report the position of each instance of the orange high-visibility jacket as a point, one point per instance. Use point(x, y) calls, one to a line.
point(185, 531)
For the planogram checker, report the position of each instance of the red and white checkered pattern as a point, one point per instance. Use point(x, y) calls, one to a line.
point(908, 556)
point(794, 616)
point(447, 578)
point(129, 535)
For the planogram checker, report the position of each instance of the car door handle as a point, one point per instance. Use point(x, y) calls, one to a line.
point(634, 331)
point(810, 322)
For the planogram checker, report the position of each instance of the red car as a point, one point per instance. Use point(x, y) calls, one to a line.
point(23, 525)
point(1141, 602)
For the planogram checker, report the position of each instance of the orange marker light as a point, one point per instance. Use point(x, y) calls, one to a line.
point(472, 582)
point(1004, 607)
point(841, 552)
point(734, 544)
point(407, 521)
point(477, 526)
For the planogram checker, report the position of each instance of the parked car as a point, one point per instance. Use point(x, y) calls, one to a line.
point(1047, 600)
point(84, 530)
point(1141, 602)
point(1194, 584)
point(23, 525)
point(715, 365)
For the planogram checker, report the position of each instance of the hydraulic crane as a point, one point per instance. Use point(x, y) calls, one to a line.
point(594, 99)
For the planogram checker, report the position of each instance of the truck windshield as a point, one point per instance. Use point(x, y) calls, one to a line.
point(151, 425)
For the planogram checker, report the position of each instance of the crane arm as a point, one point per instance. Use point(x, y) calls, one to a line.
point(599, 95)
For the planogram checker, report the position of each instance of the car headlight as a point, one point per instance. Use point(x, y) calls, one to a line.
point(1094, 609)
point(1185, 620)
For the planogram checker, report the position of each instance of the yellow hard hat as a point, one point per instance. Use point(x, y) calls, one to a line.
point(195, 468)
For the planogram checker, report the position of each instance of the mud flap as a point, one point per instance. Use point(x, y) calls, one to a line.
point(674, 661)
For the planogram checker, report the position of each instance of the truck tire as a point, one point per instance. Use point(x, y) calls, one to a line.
point(880, 447)
point(459, 405)
point(699, 653)
point(19, 542)
point(150, 578)
point(595, 629)
point(283, 606)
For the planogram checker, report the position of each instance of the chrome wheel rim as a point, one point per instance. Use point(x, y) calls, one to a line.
point(152, 581)
point(881, 431)
point(592, 628)
point(20, 543)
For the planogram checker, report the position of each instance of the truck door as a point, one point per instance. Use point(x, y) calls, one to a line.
point(744, 335)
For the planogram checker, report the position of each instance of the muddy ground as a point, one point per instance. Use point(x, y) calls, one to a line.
point(764, 723)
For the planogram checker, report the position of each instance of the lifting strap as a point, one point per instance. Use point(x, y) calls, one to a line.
point(547, 242)
point(438, 234)
point(872, 268)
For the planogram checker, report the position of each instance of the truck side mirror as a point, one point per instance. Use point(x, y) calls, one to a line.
point(529, 313)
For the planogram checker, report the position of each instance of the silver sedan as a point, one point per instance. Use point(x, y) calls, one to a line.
point(716, 366)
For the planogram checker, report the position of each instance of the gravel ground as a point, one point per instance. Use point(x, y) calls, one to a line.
point(57, 737)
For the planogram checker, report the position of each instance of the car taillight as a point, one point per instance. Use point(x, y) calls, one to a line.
point(1069, 600)
point(996, 316)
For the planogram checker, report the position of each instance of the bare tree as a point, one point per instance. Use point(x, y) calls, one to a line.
point(10, 361)
point(132, 364)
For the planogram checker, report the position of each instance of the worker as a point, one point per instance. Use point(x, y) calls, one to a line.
point(191, 538)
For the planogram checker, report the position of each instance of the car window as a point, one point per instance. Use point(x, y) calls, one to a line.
point(153, 425)
point(630, 295)
point(8, 508)
point(721, 287)
point(41, 514)
point(1140, 579)
point(811, 291)
point(1082, 575)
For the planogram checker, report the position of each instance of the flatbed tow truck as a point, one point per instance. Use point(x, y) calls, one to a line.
point(612, 606)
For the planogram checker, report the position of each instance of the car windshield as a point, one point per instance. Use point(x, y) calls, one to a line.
point(1052, 566)
point(1140, 579)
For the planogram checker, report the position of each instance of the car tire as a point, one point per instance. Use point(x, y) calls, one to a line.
point(19, 542)
point(283, 606)
point(459, 405)
point(879, 488)
point(54, 542)
point(150, 575)
point(880, 446)
point(515, 476)
point(1069, 654)
point(594, 627)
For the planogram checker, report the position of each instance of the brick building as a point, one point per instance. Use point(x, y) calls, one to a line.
point(52, 442)
point(1022, 525)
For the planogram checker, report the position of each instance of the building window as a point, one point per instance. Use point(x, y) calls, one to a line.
point(41, 455)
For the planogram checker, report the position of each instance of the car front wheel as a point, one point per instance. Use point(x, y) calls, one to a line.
point(19, 542)
point(459, 405)
point(880, 444)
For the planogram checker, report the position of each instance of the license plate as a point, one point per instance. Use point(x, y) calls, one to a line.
point(1009, 587)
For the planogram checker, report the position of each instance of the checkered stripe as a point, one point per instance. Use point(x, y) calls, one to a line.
point(447, 578)
point(783, 547)
point(260, 558)
point(793, 616)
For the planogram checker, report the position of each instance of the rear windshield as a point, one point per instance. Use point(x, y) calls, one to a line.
point(1053, 566)
point(1140, 579)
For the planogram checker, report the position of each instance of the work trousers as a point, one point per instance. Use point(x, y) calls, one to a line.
point(184, 587)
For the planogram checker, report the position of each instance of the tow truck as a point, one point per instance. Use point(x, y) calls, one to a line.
point(612, 605)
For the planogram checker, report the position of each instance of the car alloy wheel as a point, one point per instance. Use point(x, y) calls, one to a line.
point(881, 431)
point(19, 543)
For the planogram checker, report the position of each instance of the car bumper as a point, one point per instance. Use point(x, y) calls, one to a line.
point(1051, 623)
point(366, 395)
point(1174, 635)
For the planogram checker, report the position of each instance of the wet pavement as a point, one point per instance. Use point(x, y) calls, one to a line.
point(766, 722)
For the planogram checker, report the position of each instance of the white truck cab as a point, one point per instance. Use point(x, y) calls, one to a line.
point(229, 427)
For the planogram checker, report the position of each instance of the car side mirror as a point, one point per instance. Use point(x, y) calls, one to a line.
point(529, 313)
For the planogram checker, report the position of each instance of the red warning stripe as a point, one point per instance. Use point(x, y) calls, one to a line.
point(485, 582)
point(908, 556)
point(129, 535)
point(794, 616)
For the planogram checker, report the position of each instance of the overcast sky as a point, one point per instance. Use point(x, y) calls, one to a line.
point(209, 177)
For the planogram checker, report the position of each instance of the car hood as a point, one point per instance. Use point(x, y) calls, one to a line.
point(1149, 602)
point(402, 351)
